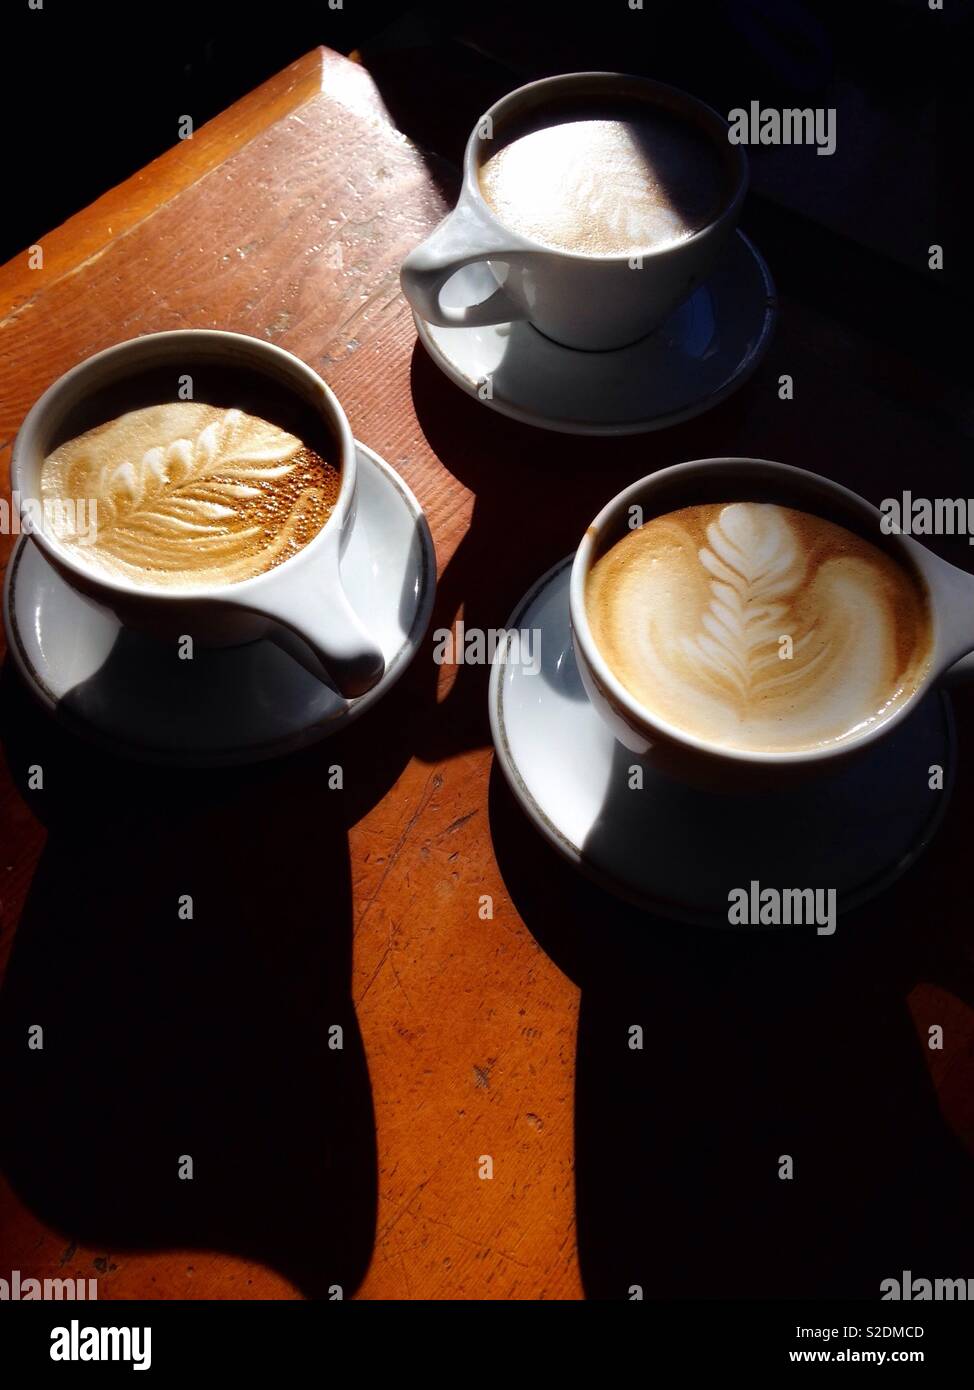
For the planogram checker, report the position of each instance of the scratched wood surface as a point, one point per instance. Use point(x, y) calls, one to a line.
point(287, 218)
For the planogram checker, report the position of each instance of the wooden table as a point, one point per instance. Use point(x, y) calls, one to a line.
point(505, 1036)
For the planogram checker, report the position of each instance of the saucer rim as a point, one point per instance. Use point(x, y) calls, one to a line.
point(267, 750)
point(665, 907)
point(742, 372)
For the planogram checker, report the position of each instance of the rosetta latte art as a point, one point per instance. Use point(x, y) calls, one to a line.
point(188, 493)
point(759, 627)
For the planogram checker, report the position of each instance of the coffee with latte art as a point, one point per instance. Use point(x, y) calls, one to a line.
point(760, 628)
point(189, 494)
point(614, 180)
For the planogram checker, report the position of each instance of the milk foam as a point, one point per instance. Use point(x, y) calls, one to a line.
point(690, 612)
point(188, 493)
point(606, 185)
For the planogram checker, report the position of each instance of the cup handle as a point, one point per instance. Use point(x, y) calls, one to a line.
point(953, 592)
point(466, 236)
point(959, 673)
point(332, 641)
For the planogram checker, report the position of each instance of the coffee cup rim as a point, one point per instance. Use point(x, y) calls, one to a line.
point(647, 85)
point(922, 562)
point(260, 353)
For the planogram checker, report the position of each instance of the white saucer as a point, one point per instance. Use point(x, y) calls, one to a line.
point(677, 851)
point(236, 704)
point(701, 354)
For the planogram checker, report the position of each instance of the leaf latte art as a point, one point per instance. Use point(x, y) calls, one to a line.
point(188, 493)
point(758, 627)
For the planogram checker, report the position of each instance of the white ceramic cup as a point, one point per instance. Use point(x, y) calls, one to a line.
point(300, 598)
point(595, 302)
point(951, 603)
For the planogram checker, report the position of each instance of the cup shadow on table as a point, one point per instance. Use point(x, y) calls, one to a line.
point(534, 493)
point(754, 1046)
point(212, 1037)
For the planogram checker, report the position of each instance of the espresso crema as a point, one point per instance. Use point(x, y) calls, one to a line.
point(758, 627)
point(189, 494)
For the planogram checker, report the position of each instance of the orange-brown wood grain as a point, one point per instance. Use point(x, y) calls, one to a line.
point(288, 218)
